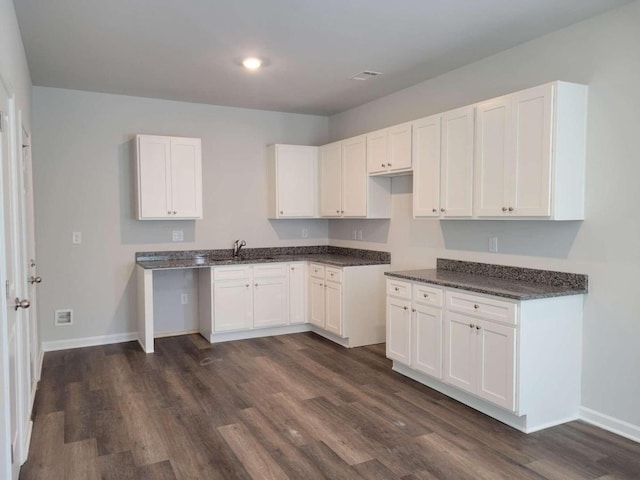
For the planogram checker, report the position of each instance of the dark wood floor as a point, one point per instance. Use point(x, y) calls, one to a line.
point(295, 407)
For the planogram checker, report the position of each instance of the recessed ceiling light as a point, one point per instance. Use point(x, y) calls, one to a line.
point(252, 63)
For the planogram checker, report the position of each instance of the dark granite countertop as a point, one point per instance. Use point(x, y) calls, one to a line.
point(335, 256)
point(502, 281)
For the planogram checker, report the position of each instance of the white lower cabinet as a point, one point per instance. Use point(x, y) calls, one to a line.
point(326, 298)
point(270, 295)
point(246, 297)
point(233, 306)
point(481, 358)
point(517, 361)
point(333, 307)
point(399, 330)
point(426, 350)
point(297, 293)
point(252, 300)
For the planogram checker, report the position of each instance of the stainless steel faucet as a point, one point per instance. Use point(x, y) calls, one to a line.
point(237, 246)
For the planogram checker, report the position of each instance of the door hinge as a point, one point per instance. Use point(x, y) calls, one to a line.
point(2, 114)
point(12, 454)
point(6, 288)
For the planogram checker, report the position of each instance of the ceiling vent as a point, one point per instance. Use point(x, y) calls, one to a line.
point(366, 75)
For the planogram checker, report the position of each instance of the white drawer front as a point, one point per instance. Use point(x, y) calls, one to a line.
point(231, 273)
point(398, 288)
point(316, 270)
point(482, 307)
point(270, 270)
point(333, 274)
point(427, 295)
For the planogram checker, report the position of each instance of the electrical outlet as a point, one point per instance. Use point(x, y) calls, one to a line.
point(493, 244)
point(76, 238)
point(177, 236)
point(184, 298)
point(359, 234)
point(305, 233)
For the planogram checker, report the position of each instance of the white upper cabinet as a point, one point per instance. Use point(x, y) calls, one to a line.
point(456, 167)
point(492, 153)
point(345, 188)
point(377, 152)
point(530, 154)
point(426, 167)
point(354, 177)
point(331, 180)
point(389, 150)
point(169, 177)
point(292, 181)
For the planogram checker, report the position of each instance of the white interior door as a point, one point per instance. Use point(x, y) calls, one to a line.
point(30, 260)
point(14, 382)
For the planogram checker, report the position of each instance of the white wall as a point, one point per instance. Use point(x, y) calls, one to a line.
point(603, 52)
point(13, 62)
point(83, 162)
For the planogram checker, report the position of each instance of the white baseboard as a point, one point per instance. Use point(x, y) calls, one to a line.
point(88, 341)
point(611, 424)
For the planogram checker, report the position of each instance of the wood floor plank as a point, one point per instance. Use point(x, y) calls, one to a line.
point(255, 459)
point(81, 460)
point(297, 406)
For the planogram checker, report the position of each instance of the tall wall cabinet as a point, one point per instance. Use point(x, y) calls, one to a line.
point(168, 178)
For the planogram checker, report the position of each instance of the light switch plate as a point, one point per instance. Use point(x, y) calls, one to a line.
point(177, 236)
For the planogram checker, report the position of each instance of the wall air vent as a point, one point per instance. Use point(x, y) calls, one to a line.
point(64, 317)
point(366, 75)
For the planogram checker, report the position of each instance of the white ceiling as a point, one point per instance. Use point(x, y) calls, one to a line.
point(189, 50)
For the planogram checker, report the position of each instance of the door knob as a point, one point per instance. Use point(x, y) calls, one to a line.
point(22, 304)
point(33, 279)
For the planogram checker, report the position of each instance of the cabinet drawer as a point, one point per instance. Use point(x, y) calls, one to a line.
point(333, 274)
point(482, 307)
point(398, 288)
point(427, 295)
point(231, 273)
point(270, 270)
point(316, 270)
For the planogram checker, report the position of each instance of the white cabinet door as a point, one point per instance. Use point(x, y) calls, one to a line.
point(426, 167)
point(331, 180)
point(493, 126)
point(354, 177)
point(399, 147)
point(460, 351)
point(399, 330)
point(233, 305)
point(186, 177)
point(456, 169)
point(296, 181)
point(333, 308)
point(316, 301)
point(530, 191)
point(154, 176)
point(297, 293)
point(427, 340)
point(270, 302)
point(496, 346)
point(377, 151)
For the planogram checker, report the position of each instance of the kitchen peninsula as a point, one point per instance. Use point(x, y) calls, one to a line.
point(335, 292)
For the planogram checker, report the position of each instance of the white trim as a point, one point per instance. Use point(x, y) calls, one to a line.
point(611, 424)
point(175, 334)
point(258, 333)
point(27, 443)
point(88, 341)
